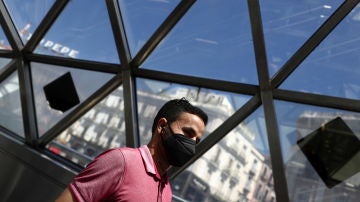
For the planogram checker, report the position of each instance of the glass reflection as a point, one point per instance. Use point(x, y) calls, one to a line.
point(10, 105)
point(333, 67)
point(304, 183)
point(287, 25)
point(101, 128)
point(81, 31)
point(142, 18)
point(151, 95)
point(27, 15)
point(4, 43)
point(43, 74)
point(211, 40)
point(237, 168)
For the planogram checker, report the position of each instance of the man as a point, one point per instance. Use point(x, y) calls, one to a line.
point(139, 174)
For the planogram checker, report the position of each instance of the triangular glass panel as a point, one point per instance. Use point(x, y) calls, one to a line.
point(81, 31)
point(3, 63)
point(142, 18)
point(331, 159)
point(151, 95)
point(212, 40)
point(48, 75)
point(333, 67)
point(10, 105)
point(27, 15)
point(287, 25)
point(240, 163)
point(4, 43)
point(101, 128)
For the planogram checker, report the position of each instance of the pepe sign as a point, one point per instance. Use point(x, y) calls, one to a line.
point(46, 44)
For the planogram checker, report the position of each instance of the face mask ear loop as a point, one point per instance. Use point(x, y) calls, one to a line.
point(171, 131)
point(163, 141)
point(162, 135)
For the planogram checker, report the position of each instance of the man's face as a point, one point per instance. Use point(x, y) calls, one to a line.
point(189, 125)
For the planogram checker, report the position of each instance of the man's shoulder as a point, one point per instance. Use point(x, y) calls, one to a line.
point(115, 157)
point(119, 152)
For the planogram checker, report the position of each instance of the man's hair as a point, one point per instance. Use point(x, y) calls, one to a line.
point(172, 109)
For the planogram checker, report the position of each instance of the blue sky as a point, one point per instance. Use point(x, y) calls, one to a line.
point(213, 39)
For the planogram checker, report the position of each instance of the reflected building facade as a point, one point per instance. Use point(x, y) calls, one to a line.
point(233, 171)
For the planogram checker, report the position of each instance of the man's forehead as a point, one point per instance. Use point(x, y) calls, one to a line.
point(189, 117)
point(192, 120)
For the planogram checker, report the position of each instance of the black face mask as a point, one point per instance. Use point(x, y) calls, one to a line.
point(179, 148)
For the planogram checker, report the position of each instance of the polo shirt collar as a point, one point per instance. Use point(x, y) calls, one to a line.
point(148, 161)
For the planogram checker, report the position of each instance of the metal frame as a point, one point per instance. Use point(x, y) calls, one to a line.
point(125, 74)
point(128, 81)
point(27, 102)
point(317, 100)
point(76, 63)
point(281, 190)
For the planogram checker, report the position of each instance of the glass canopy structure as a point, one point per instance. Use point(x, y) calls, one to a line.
point(279, 81)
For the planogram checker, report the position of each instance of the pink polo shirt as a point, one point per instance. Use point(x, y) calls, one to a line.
point(122, 174)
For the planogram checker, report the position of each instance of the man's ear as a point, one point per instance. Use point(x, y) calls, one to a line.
point(161, 124)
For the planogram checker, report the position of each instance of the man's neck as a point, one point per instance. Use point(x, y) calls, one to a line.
point(159, 157)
